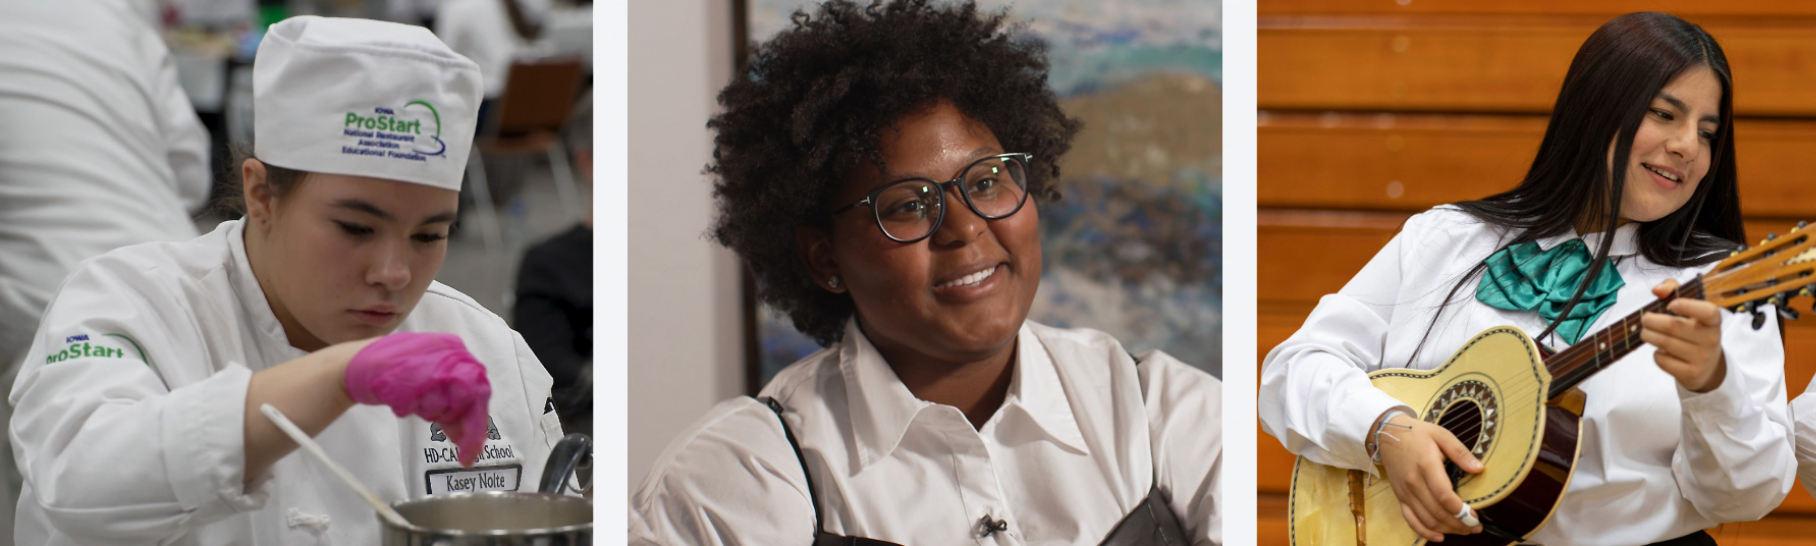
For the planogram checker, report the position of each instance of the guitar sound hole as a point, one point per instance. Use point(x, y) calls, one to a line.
point(1464, 419)
point(1468, 410)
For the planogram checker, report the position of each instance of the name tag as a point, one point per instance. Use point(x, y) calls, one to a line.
point(468, 480)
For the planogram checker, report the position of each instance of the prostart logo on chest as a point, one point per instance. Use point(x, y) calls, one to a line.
point(395, 133)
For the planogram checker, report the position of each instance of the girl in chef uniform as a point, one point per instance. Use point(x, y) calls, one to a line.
point(1633, 190)
point(137, 417)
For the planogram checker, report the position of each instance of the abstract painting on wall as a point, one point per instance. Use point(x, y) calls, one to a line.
point(1135, 245)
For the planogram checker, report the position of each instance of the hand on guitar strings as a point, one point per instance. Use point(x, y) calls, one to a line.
point(1688, 341)
point(1413, 454)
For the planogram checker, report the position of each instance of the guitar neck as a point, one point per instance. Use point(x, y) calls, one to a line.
point(1579, 362)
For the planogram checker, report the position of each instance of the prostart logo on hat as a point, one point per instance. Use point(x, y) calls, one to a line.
point(364, 98)
point(395, 133)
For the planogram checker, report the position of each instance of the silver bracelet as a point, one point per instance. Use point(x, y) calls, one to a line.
point(1375, 439)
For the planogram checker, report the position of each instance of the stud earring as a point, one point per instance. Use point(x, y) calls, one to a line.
point(833, 282)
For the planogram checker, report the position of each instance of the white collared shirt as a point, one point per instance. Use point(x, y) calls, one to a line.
point(130, 411)
point(1656, 462)
point(1072, 450)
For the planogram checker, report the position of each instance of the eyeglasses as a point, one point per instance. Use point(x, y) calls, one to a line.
point(911, 209)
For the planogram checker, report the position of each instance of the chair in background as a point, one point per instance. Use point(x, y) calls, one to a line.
point(537, 97)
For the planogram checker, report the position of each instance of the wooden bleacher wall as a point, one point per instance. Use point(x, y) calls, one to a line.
point(1372, 110)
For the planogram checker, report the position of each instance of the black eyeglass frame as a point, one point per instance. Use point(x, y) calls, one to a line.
point(870, 199)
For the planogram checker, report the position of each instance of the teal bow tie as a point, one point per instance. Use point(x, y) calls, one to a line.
point(1524, 278)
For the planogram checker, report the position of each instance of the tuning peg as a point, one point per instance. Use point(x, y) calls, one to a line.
point(1801, 223)
point(1759, 319)
point(1771, 236)
point(1807, 291)
point(1781, 302)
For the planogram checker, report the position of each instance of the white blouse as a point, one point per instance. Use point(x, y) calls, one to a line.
point(1072, 450)
point(1656, 462)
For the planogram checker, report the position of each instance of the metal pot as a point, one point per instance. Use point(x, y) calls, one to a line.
point(503, 518)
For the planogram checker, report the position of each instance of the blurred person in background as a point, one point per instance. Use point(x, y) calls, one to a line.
point(880, 171)
point(414, 12)
point(554, 308)
point(491, 33)
point(137, 408)
point(99, 149)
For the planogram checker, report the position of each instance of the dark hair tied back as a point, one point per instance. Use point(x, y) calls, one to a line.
point(229, 197)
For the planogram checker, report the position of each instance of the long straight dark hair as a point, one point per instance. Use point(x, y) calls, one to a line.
point(1607, 93)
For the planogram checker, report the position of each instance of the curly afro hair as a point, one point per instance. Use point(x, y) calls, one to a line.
point(815, 101)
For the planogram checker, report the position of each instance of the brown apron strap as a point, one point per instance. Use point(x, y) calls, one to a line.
point(1151, 523)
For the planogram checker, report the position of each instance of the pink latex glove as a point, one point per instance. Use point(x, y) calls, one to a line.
point(428, 375)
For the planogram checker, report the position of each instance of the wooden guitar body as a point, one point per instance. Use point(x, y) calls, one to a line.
point(1493, 395)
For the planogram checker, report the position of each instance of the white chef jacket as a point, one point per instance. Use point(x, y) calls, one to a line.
point(1072, 450)
point(131, 406)
point(1657, 461)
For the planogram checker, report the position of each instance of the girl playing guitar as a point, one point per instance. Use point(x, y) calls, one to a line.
point(1632, 189)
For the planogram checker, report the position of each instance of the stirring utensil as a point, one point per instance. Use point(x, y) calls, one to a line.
point(309, 445)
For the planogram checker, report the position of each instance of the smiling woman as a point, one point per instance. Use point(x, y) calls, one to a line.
point(1670, 150)
point(881, 170)
point(1633, 190)
point(943, 313)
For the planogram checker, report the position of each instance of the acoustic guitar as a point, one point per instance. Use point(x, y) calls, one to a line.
point(1519, 411)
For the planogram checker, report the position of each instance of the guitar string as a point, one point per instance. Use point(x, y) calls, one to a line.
point(1574, 362)
point(1528, 388)
point(1572, 358)
point(1584, 358)
point(1453, 421)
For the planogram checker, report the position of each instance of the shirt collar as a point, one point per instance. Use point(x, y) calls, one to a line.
point(274, 345)
point(1626, 240)
point(1038, 393)
point(882, 408)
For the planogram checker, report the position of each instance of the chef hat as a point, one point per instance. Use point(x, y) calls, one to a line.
point(363, 98)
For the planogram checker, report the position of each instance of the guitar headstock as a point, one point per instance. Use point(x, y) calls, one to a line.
point(1775, 271)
